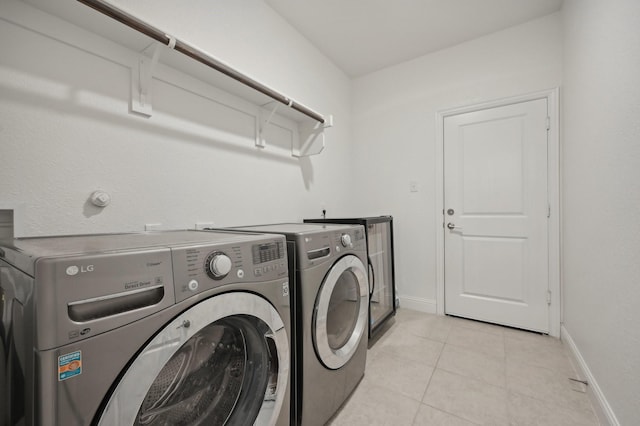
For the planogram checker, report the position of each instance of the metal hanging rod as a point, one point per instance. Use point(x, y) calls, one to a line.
point(197, 54)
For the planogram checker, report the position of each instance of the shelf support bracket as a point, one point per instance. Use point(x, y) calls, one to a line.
point(266, 115)
point(307, 137)
point(311, 138)
point(141, 76)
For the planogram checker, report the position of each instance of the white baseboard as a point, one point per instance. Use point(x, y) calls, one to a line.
point(418, 304)
point(600, 404)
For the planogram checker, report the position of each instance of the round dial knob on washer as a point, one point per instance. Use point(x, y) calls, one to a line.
point(219, 265)
point(345, 240)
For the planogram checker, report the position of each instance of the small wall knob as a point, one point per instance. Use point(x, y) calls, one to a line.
point(100, 199)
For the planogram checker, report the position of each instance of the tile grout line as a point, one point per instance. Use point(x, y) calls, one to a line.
point(506, 384)
point(451, 414)
point(428, 384)
point(433, 372)
point(554, 403)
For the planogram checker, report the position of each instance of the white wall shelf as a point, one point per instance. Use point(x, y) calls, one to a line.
point(151, 58)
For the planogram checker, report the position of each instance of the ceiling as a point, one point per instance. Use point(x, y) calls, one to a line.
point(362, 36)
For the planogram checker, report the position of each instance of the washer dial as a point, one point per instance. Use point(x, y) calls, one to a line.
point(345, 239)
point(218, 265)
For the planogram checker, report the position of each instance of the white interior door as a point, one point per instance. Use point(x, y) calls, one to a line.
point(496, 215)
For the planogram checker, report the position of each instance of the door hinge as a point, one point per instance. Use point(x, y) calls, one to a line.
point(548, 297)
point(548, 210)
point(548, 123)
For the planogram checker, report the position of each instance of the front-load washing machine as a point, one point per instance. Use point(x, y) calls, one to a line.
point(329, 280)
point(160, 328)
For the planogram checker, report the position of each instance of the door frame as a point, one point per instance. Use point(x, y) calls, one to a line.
point(553, 187)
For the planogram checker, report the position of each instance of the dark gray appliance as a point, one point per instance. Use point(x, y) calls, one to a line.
point(382, 289)
point(156, 328)
point(328, 275)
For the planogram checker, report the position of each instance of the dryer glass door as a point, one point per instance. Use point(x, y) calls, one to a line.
point(225, 361)
point(340, 317)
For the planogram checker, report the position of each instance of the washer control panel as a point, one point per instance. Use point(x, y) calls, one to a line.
point(200, 268)
point(268, 257)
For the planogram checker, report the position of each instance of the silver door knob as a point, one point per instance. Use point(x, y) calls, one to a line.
point(452, 226)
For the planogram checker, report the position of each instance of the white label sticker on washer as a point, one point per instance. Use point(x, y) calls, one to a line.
point(69, 365)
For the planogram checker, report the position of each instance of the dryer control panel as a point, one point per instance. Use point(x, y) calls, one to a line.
point(351, 239)
point(321, 247)
point(200, 268)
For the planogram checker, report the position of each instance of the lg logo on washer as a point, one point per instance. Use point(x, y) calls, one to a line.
point(74, 270)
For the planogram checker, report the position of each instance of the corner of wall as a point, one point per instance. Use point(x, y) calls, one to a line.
point(599, 402)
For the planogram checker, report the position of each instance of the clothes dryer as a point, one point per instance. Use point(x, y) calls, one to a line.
point(329, 280)
point(382, 289)
point(161, 328)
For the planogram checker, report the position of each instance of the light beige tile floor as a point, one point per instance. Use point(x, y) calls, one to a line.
point(432, 370)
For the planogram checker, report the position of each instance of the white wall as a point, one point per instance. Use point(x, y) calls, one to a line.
point(66, 131)
point(395, 131)
point(601, 187)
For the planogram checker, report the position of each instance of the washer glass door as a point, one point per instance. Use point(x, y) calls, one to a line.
point(224, 361)
point(340, 317)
